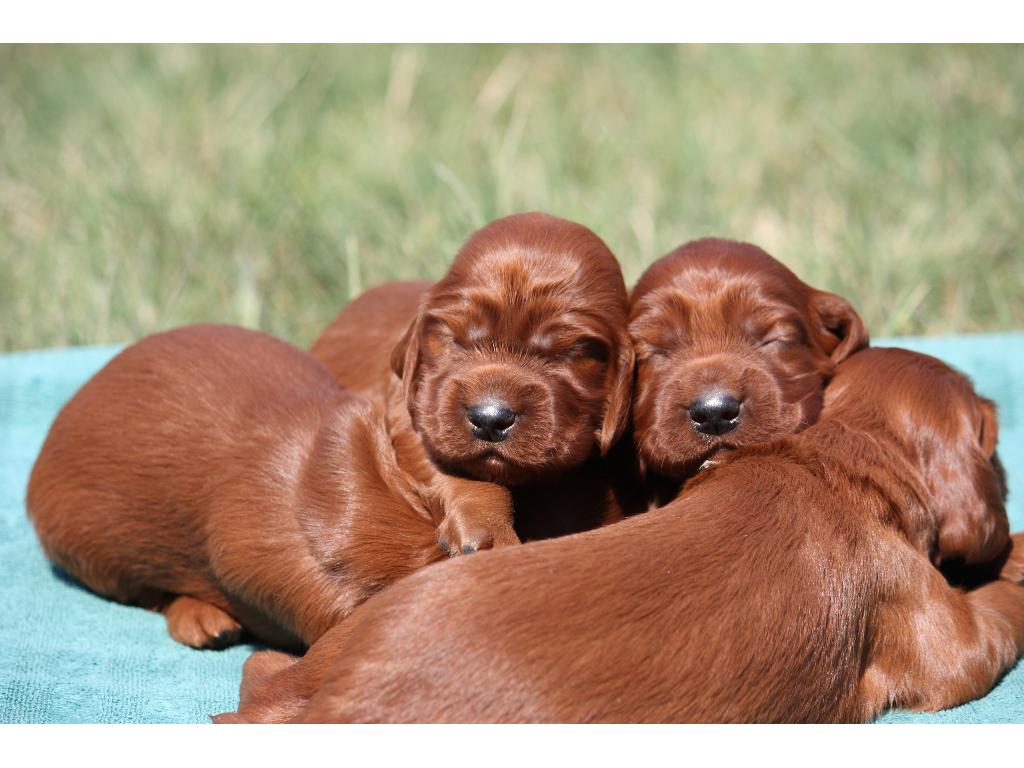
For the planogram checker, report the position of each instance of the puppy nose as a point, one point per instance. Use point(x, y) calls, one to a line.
point(492, 421)
point(715, 413)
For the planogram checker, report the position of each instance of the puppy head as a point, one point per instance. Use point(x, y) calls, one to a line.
point(732, 350)
point(519, 364)
point(948, 432)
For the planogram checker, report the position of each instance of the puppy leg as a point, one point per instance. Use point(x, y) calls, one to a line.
point(948, 647)
point(276, 686)
point(199, 624)
point(476, 515)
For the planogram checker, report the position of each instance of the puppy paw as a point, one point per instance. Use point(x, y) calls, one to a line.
point(455, 539)
point(199, 624)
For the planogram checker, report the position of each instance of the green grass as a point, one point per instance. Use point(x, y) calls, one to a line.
point(146, 187)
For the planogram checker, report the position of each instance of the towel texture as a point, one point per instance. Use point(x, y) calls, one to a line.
point(69, 656)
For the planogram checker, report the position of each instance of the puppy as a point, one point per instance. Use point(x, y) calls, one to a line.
point(732, 350)
point(792, 582)
point(516, 367)
point(221, 476)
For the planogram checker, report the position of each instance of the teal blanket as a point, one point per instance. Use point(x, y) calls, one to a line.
point(69, 656)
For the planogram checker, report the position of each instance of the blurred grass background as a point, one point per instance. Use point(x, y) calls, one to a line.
point(146, 187)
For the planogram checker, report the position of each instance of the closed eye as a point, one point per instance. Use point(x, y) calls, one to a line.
point(782, 334)
point(560, 341)
point(441, 333)
point(590, 347)
point(779, 340)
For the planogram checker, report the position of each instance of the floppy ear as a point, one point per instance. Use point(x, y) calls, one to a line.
point(970, 492)
point(405, 361)
point(988, 432)
point(839, 327)
point(974, 527)
point(620, 398)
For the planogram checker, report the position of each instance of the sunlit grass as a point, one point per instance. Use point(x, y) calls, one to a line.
point(146, 187)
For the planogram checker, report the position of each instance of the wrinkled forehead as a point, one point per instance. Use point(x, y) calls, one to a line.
point(719, 301)
point(524, 269)
point(520, 290)
point(719, 260)
point(517, 272)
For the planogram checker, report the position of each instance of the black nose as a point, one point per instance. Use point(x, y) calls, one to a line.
point(491, 421)
point(715, 413)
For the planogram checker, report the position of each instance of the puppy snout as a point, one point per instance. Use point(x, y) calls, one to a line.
point(715, 413)
point(491, 420)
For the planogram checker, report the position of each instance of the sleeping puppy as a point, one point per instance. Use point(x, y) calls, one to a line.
point(516, 367)
point(791, 582)
point(222, 477)
point(732, 350)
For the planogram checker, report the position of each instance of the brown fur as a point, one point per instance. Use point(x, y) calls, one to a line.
point(356, 347)
point(223, 477)
point(794, 581)
point(723, 316)
point(532, 312)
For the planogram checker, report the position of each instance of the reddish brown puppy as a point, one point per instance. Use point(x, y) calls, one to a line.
point(794, 581)
point(516, 367)
point(224, 478)
point(732, 350)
